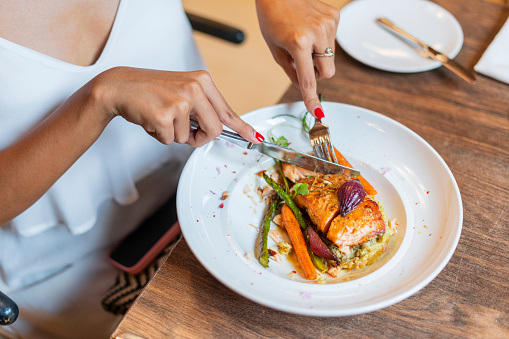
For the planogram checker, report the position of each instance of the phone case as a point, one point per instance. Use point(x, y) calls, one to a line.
point(149, 256)
point(143, 245)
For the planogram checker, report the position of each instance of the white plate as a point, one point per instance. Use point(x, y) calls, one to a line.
point(365, 40)
point(415, 186)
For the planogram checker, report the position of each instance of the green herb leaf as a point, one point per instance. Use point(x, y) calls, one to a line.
point(281, 141)
point(301, 189)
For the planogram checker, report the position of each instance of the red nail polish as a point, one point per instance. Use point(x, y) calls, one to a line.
point(259, 137)
point(319, 113)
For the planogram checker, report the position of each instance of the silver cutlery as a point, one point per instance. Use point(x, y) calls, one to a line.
point(430, 52)
point(321, 143)
point(285, 154)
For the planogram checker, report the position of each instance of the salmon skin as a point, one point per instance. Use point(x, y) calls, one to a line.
point(322, 206)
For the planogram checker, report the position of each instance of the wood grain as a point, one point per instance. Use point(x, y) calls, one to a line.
point(468, 125)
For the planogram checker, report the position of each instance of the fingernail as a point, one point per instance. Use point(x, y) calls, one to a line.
point(259, 137)
point(319, 113)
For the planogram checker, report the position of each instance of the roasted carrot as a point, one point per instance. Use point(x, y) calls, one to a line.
point(299, 243)
point(370, 190)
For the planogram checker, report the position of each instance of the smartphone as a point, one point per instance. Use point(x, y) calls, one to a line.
point(136, 251)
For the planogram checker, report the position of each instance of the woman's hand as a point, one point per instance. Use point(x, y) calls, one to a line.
point(293, 30)
point(162, 103)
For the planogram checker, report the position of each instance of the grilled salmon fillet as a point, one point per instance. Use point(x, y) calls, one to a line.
point(357, 227)
point(295, 173)
point(321, 204)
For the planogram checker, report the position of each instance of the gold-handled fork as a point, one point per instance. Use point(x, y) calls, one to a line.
point(320, 140)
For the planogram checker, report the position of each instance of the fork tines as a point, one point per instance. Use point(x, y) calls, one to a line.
point(320, 140)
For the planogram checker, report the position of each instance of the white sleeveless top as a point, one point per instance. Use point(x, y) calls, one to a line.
point(148, 34)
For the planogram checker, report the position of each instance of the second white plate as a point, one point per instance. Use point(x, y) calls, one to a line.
point(363, 39)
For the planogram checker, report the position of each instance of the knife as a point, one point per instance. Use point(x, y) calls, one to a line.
point(286, 154)
point(431, 52)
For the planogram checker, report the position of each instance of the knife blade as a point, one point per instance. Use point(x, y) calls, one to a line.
point(430, 52)
point(301, 159)
point(286, 154)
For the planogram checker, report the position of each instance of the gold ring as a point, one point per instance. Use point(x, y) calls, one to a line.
point(328, 53)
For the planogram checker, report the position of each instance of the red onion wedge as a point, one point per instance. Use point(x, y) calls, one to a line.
point(318, 246)
point(350, 195)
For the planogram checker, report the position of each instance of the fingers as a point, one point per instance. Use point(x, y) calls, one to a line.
point(181, 127)
point(287, 63)
point(326, 38)
point(210, 126)
point(244, 129)
point(307, 83)
point(311, 67)
point(167, 114)
point(200, 106)
point(225, 113)
point(208, 106)
point(162, 102)
point(306, 26)
point(324, 65)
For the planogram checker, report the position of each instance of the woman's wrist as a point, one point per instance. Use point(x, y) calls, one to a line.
point(98, 96)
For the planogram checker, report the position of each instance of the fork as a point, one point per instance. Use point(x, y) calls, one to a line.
point(320, 140)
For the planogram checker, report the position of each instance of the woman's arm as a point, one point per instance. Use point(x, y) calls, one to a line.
point(293, 30)
point(161, 102)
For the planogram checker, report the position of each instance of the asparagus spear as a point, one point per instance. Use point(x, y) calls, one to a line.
point(317, 261)
point(263, 249)
point(287, 199)
point(280, 167)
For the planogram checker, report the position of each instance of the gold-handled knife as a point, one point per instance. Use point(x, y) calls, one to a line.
point(430, 52)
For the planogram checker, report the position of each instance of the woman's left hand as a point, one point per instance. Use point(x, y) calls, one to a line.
point(293, 30)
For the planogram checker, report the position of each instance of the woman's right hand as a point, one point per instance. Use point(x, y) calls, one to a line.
point(159, 101)
point(162, 102)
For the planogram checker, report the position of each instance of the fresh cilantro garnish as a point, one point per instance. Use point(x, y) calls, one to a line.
point(301, 189)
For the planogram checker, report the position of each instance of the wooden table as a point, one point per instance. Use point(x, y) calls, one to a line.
point(469, 127)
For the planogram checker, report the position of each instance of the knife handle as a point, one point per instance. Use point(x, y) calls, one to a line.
point(430, 51)
point(232, 137)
